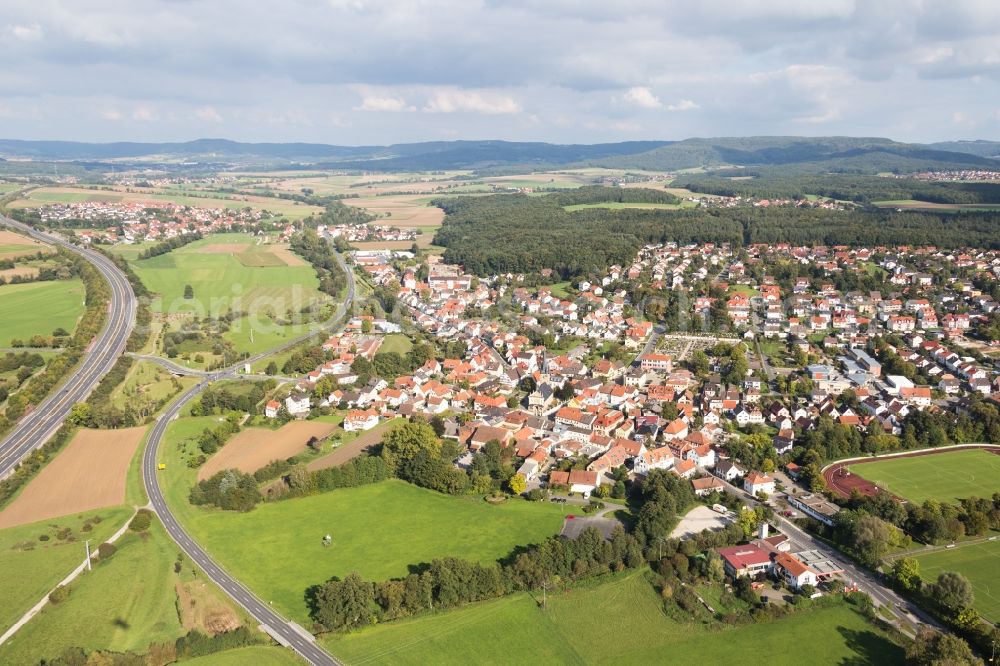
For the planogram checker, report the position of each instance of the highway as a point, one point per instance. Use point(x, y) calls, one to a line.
point(35, 428)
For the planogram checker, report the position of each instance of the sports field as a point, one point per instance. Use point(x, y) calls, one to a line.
point(980, 563)
point(221, 280)
point(946, 477)
point(618, 622)
point(39, 308)
point(35, 557)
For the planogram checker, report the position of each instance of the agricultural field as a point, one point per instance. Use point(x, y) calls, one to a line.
point(619, 621)
point(90, 473)
point(252, 448)
point(39, 308)
point(978, 562)
point(35, 557)
point(213, 268)
point(945, 477)
point(352, 444)
point(133, 599)
point(196, 198)
point(13, 245)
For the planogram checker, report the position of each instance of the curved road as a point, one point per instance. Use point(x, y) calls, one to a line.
point(282, 630)
point(285, 632)
point(34, 429)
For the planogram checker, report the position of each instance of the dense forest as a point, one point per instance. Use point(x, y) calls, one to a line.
point(599, 194)
point(860, 189)
point(521, 234)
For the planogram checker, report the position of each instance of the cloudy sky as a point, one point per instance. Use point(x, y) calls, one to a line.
point(385, 71)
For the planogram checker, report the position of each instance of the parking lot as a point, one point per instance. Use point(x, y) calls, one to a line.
point(701, 518)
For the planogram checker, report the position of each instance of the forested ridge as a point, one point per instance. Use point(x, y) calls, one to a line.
point(513, 233)
point(860, 189)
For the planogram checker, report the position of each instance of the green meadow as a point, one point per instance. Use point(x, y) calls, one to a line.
point(33, 558)
point(615, 622)
point(38, 308)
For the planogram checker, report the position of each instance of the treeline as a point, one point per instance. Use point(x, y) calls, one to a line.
point(98, 294)
point(978, 422)
point(342, 605)
point(241, 398)
point(520, 234)
point(592, 194)
point(512, 233)
point(857, 188)
point(170, 244)
point(318, 252)
point(191, 645)
point(336, 214)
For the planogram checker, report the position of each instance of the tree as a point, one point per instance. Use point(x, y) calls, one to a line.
point(271, 369)
point(80, 414)
point(952, 590)
point(188, 292)
point(931, 648)
point(906, 572)
point(406, 441)
point(345, 604)
point(517, 484)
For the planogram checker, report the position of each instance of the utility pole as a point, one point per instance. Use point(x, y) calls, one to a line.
point(88, 554)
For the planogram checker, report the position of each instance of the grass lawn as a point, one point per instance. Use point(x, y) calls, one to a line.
point(396, 342)
point(979, 563)
point(38, 308)
point(559, 289)
point(261, 655)
point(31, 567)
point(620, 622)
point(149, 382)
point(266, 336)
point(946, 477)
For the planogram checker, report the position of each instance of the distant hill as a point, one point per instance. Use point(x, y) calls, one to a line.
point(801, 154)
point(978, 147)
point(785, 154)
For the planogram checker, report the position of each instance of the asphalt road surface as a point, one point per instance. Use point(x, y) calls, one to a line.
point(281, 629)
point(285, 632)
point(34, 429)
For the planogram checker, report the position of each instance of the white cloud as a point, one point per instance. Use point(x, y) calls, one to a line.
point(683, 105)
point(453, 100)
point(25, 33)
point(383, 103)
point(113, 115)
point(643, 97)
point(208, 114)
point(144, 114)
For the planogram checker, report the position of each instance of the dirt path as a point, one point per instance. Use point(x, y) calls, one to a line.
point(350, 450)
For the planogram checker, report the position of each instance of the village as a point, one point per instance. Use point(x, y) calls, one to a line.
point(583, 391)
